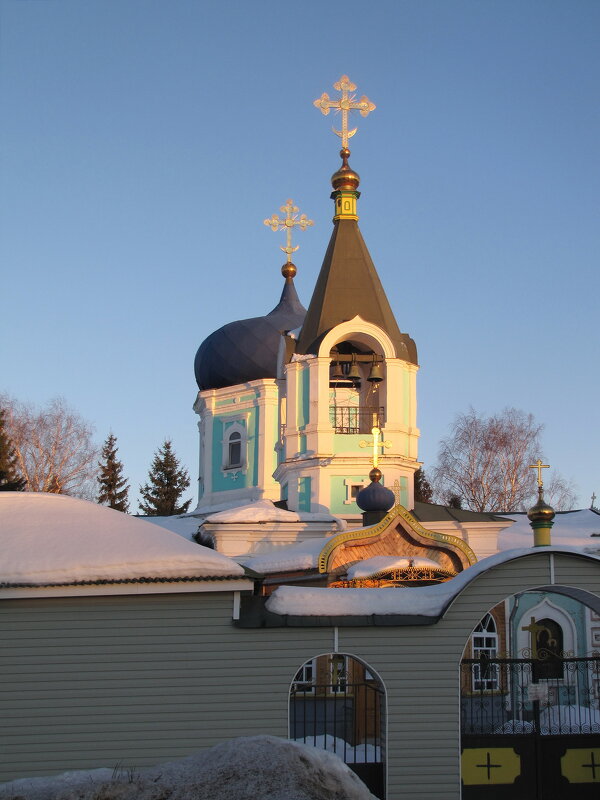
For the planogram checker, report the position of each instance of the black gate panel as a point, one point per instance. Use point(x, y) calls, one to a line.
point(530, 730)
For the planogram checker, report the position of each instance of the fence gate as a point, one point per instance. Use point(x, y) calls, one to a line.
point(343, 716)
point(530, 728)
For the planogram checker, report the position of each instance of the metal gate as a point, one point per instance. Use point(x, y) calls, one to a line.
point(345, 719)
point(530, 728)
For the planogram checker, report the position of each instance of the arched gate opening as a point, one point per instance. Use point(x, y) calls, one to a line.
point(338, 704)
point(530, 699)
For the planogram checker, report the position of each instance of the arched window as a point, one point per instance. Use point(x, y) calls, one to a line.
point(234, 446)
point(484, 641)
point(235, 450)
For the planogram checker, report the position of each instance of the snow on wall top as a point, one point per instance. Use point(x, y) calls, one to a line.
point(429, 601)
point(50, 538)
point(266, 511)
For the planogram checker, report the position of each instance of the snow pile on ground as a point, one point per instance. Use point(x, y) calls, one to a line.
point(52, 538)
point(364, 753)
point(569, 719)
point(430, 601)
point(241, 769)
point(371, 566)
point(571, 528)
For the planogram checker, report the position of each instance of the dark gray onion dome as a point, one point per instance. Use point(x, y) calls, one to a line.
point(375, 497)
point(247, 349)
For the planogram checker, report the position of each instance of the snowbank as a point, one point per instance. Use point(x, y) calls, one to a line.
point(241, 769)
point(52, 538)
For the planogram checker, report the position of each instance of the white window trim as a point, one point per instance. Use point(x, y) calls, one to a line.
point(349, 483)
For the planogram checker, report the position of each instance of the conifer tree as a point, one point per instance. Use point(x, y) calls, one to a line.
point(167, 482)
point(423, 490)
point(10, 478)
point(113, 489)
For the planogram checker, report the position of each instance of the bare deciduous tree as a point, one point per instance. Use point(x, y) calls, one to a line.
point(485, 462)
point(54, 447)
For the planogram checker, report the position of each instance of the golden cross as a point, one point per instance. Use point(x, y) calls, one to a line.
point(375, 444)
point(396, 491)
point(287, 224)
point(346, 103)
point(539, 466)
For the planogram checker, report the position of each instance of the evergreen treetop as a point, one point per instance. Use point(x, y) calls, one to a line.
point(113, 489)
point(423, 490)
point(10, 477)
point(167, 482)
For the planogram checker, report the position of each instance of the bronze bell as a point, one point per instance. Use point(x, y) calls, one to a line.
point(336, 373)
point(354, 372)
point(376, 374)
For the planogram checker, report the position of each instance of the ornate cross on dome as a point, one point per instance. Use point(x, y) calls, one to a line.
point(375, 444)
point(539, 466)
point(346, 103)
point(287, 224)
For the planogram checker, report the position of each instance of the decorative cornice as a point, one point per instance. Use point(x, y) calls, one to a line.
point(376, 530)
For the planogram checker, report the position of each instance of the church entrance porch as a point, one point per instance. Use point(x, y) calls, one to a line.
point(530, 727)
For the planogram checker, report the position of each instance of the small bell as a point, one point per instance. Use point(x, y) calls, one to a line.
point(354, 372)
point(336, 372)
point(375, 375)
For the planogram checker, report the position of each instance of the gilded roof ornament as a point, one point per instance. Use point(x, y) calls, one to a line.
point(539, 466)
point(287, 224)
point(344, 105)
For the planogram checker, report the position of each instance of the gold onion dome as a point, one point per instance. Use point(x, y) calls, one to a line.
point(345, 177)
point(541, 511)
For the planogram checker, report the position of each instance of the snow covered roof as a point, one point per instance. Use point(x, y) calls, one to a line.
point(50, 539)
point(418, 601)
point(300, 556)
point(266, 511)
point(372, 566)
point(571, 528)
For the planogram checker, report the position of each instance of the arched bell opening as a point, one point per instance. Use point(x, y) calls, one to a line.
point(357, 396)
point(530, 697)
point(338, 703)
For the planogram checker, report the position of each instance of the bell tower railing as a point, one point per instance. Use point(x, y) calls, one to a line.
point(355, 419)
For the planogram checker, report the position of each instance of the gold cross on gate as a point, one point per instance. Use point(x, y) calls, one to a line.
point(346, 103)
point(287, 224)
point(375, 444)
point(539, 466)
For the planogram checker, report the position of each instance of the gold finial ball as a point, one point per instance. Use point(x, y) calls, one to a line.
point(375, 475)
point(541, 511)
point(345, 177)
point(288, 270)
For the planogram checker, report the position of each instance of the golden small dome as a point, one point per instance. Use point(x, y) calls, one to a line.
point(541, 511)
point(288, 270)
point(345, 177)
point(375, 475)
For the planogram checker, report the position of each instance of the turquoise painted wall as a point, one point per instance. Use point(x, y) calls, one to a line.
point(221, 481)
point(303, 399)
point(350, 443)
point(304, 492)
point(403, 491)
point(338, 493)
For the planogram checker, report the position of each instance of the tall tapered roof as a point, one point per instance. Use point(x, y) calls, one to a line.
point(348, 284)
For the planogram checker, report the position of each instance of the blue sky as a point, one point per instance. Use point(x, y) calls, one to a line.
point(143, 142)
